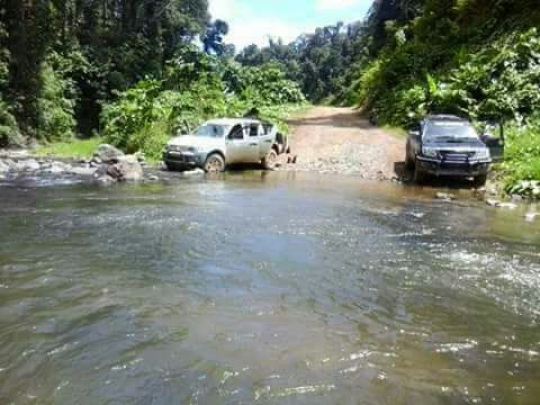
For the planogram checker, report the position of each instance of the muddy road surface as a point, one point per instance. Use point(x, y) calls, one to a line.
point(340, 140)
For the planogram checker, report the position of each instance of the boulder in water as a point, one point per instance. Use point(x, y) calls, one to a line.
point(127, 169)
point(531, 216)
point(56, 167)
point(500, 204)
point(108, 154)
point(31, 165)
point(83, 171)
point(444, 196)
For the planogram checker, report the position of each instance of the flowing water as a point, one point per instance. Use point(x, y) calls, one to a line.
point(275, 289)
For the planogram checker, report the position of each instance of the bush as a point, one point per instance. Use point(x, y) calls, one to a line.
point(9, 130)
point(56, 119)
point(498, 81)
point(522, 162)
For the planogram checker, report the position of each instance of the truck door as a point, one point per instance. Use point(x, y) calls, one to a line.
point(254, 153)
point(237, 145)
point(268, 135)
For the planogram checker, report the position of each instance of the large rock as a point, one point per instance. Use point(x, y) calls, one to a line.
point(108, 154)
point(30, 165)
point(83, 171)
point(56, 167)
point(127, 169)
point(4, 167)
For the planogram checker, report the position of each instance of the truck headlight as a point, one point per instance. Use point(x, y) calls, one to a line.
point(483, 154)
point(173, 148)
point(181, 148)
point(432, 153)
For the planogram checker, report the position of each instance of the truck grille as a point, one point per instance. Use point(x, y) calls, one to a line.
point(457, 157)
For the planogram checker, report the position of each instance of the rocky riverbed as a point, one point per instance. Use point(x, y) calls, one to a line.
point(108, 165)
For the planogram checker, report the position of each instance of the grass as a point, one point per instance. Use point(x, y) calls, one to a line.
point(77, 148)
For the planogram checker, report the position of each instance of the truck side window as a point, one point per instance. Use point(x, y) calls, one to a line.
point(237, 133)
point(254, 130)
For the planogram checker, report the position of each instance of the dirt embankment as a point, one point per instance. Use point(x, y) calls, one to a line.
point(339, 140)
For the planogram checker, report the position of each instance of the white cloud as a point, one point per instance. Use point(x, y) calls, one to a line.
point(246, 27)
point(325, 5)
point(259, 32)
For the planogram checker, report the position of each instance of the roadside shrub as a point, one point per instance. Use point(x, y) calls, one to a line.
point(497, 81)
point(522, 162)
point(56, 119)
point(135, 111)
point(9, 130)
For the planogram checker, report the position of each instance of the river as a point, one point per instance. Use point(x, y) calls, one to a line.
point(274, 288)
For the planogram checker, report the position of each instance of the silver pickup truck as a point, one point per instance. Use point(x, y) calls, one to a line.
point(221, 142)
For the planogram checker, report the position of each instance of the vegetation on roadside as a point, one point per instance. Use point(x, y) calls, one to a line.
point(522, 164)
point(468, 57)
point(76, 148)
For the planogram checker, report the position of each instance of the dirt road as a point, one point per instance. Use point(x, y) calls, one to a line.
point(339, 140)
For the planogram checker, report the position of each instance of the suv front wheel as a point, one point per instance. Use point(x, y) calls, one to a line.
point(480, 181)
point(419, 175)
point(214, 164)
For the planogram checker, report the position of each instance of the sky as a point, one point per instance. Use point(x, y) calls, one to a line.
point(255, 21)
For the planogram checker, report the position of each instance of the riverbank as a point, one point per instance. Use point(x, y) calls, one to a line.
point(324, 140)
point(105, 165)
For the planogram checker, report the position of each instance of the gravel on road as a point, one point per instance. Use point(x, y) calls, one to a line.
point(340, 140)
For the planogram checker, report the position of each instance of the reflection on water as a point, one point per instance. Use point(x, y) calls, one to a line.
point(284, 288)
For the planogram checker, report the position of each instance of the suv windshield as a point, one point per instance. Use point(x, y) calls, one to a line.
point(449, 131)
point(210, 130)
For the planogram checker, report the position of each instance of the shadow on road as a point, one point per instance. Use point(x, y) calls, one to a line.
point(338, 120)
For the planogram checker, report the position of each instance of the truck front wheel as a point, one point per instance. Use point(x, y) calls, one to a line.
point(480, 181)
point(419, 175)
point(214, 164)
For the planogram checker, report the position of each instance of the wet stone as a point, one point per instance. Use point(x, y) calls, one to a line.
point(444, 196)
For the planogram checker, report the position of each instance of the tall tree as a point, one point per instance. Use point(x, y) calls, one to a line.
point(213, 38)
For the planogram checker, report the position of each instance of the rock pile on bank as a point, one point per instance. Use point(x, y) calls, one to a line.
point(107, 165)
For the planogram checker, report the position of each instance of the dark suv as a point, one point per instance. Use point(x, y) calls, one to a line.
point(446, 145)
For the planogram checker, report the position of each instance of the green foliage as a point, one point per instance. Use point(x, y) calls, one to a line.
point(56, 119)
point(522, 157)
point(319, 62)
point(461, 57)
point(106, 47)
point(267, 85)
point(9, 130)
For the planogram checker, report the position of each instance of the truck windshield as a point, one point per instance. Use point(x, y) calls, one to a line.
point(449, 131)
point(210, 130)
